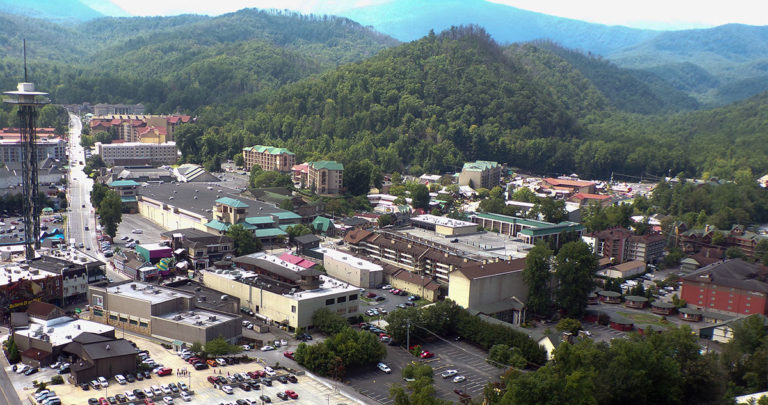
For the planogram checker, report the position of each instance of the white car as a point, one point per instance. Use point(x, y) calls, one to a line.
point(120, 379)
point(387, 287)
point(168, 400)
point(157, 391)
point(459, 378)
point(130, 395)
point(270, 371)
point(103, 382)
point(246, 347)
point(449, 373)
point(267, 348)
point(385, 368)
point(227, 389)
point(139, 231)
point(221, 362)
point(148, 392)
point(283, 342)
point(182, 386)
point(185, 396)
point(166, 389)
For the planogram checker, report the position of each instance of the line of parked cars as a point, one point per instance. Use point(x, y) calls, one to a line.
point(253, 380)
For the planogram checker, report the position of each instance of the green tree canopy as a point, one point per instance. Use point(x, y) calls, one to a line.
point(243, 239)
point(110, 212)
point(575, 267)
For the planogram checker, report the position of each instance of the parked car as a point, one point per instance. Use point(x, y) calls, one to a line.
point(31, 371)
point(221, 362)
point(459, 378)
point(227, 389)
point(103, 382)
point(426, 354)
point(265, 398)
point(292, 394)
point(385, 368)
point(212, 363)
point(164, 371)
point(449, 373)
point(185, 396)
point(267, 348)
point(120, 379)
point(288, 355)
point(282, 396)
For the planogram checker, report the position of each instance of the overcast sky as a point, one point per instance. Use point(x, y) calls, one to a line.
point(658, 14)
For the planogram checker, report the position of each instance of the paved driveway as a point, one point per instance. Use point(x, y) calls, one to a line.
point(467, 359)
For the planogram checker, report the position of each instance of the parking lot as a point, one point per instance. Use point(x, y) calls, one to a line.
point(468, 360)
point(310, 391)
point(389, 304)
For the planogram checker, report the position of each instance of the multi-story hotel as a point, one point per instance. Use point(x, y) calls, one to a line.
point(269, 158)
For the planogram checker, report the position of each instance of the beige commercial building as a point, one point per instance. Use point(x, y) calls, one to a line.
point(170, 216)
point(443, 225)
point(480, 174)
point(325, 177)
point(160, 312)
point(493, 288)
point(350, 269)
point(284, 303)
point(138, 153)
point(269, 158)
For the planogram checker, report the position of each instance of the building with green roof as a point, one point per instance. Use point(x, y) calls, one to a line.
point(128, 190)
point(269, 158)
point(529, 230)
point(325, 177)
point(324, 226)
point(480, 174)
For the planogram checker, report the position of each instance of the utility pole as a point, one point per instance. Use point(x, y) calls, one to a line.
point(408, 334)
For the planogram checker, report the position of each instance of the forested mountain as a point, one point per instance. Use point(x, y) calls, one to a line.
point(64, 11)
point(458, 96)
point(717, 65)
point(408, 20)
point(183, 62)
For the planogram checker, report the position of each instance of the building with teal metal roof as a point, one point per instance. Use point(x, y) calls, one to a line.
point(269, 158)
point(218, 225)
point(529, 230)
point(231, 202)
point(260, 221)
point(324, 226)
point(123, 183)
point(268, 233)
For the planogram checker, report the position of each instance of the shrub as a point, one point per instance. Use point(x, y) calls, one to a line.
point(57, 379)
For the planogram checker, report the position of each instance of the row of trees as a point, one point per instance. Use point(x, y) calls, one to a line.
point(560, 281)
point(657, 368)
point(344, 350)
point(109, 206)
point(445, 318)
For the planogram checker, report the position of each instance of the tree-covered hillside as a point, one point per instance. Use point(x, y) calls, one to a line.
point(458, 96)
point(183, 62)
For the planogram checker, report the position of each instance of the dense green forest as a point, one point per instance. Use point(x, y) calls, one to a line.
point(181, 63)
point(458, 96)
point(328, 88)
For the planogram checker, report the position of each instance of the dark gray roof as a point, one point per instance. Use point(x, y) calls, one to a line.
point(309, 238)
point(355, 221)
point(734, 273)
point(184, 198)
point(114, 348)
point(54, 264)
point(88, 337)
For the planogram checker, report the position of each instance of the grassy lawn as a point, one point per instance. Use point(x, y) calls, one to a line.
point(649, 319)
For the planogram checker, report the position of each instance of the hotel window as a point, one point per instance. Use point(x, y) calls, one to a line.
point(143, 324)
point(341, 299)
point(113, 317)
point(353, 297)
point(293, 309)
point(329, 301)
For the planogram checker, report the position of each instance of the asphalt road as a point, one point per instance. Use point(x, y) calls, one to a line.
point(80, 213)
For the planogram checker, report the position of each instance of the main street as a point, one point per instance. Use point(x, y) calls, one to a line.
point(81, 213)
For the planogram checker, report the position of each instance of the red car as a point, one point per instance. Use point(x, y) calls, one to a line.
point(426, 354)
point(288, 355)
point(193, 360)
point(211, 379)
point(292, 394)
point(371, 295)
point(148, 401)
point(103, 401)
point(164, 371)
point(395, 291)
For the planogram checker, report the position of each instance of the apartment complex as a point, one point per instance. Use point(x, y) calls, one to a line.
point(131, 128)
point(281, 292)
point(400, 250)
point(160, 312)
point(269, 158)
point(325, 177)
point(138, 153)
point(694, 240)
point(622, 245)
point(480, 174)
point(48, 146)
point(111, 109)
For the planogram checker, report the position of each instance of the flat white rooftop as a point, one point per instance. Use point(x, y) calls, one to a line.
point(198, 317)
point(328, 287)
point(353, 261)
point(63, 330)
point(443, 221)
point(147, 292)
point(12, 274)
